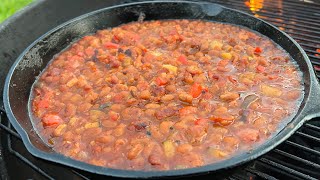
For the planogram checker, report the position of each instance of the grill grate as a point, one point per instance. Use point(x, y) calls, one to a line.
point(296, 158)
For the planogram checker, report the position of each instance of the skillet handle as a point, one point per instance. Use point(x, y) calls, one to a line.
point(312, 108)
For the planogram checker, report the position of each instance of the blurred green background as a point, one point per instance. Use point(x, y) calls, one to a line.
point(9, 7)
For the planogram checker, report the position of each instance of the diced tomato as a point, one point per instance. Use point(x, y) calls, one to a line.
point(231, 79)
point(260, 68)
point(272, 77)
point(223, 63)
point(215, 77)
point(183, 59)
point(113, 115)
point(258, 50)
point(43, 104)
point(117, 98)
point(89, 51)
point(110, 45)
point(116, 38)
point(160, 81)
point(187, 110)
point(249, 135)
point(51, 119)
point(223, 120)
point(80, 53)
point(200, 121)
point(121, 57)
point(196, 90)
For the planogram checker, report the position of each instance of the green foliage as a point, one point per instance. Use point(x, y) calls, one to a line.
point(9, 7)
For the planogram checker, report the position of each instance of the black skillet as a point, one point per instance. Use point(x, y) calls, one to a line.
point(34, 59)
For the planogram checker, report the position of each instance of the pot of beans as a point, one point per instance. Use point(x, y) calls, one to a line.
point(158, 89)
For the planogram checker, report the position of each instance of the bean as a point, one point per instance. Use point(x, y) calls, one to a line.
point(249, 134)
point(60, 130)
point(109, 123)
point(70, 110)
point(119, 142)
point(135, 151)
point(229, 96)
point(117, 107)
point(152, 106)
point(91, 125)
point(217, 153)
point(185, 97)
point(167, 97)
point(154, 159)
point(150, 112)
point(145, 94)
point(106, 139)
point(171, 88)
point(119, 130)
point(194, 70)
point(231, 141)
point(184, 148)
point(165, 127)
point(188, 78)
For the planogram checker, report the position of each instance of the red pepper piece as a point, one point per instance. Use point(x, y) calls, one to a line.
point(196, 90)
point(43, 104)
point(160, 81)
point(110, 45)
point(51, 119)
point(200, 121)
point(258, 50)
point(183, 59)
point(260, 68)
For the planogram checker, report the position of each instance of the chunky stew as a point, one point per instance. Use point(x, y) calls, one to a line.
point(161, 95)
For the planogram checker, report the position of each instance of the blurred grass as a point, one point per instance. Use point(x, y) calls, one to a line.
point(9, 7)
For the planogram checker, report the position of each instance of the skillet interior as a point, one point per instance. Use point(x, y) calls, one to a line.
point(29, 65)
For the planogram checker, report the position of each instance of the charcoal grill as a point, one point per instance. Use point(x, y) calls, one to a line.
point(296, 158)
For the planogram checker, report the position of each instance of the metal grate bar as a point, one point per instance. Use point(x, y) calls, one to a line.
point(260, 174)
point(305, 21)
point(292, 16)
point(288, 27)
point(313, 127)
point(275, 10)
point(309, 163)
point(286, 169)
point(78, 174)
point(10, 131)
point(26, 161)
point(308, 45)
point(311, 52)
point(284, 20)
point(303, 147)
point(296, 37)
point(305, 3)
point(285, 8)
point(234, 178)
point(314, 60)
point(293, 6)
point(308, 136)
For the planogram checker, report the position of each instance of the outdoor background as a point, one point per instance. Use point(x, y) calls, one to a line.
point(9, 7)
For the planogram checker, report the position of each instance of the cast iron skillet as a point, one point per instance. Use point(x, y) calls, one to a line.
point(33, 60)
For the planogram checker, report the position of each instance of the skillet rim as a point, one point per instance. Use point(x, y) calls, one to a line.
point(225, 164)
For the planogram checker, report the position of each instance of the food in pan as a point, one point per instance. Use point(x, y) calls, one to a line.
point(163, 95)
